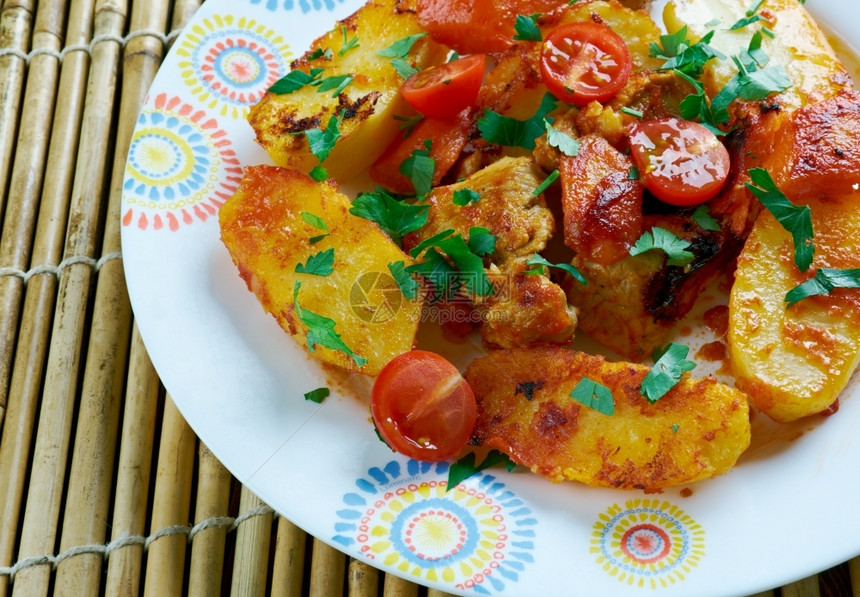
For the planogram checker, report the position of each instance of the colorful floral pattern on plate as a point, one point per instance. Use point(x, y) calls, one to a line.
point(478, 536)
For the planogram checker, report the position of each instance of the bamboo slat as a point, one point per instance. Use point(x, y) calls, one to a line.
point(15, 30)
point(206, 570)
point(27, 175)
point(807, 587)
point(252, 549)
point(165, 562)
point(363, 580)
point(854, 572)
point(394, 586)
point(133, 471)
point(289, 562)
point(51, 454)
point(36, 319)
point(328, 571)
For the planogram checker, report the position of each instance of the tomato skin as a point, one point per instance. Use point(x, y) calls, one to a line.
point(445, 90)
point(423, 407)
point(583, 62)
point(679, 161)
point(473, 26)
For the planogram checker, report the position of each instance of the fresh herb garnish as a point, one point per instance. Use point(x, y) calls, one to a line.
point(320, 330)
point(666, 372)
point(396, 218)
point(407, 284)
point(560, 140)
point(594, 395)
point(349, 43)
point(319, 264)
point(632, 112)
point(545, 184)
point(400, 48)
point(336, 82)
point(318, 173)
point(481, 241)
point(541, 263)
point(796, 219)
point(825, 280)
point(663, 240)
point(318, 395)
point(318, 223)
point(295, 80)
point(683, 56)
point(526, 28)
point(408, 123)
point(464, 197)
point(469, 265)
point(702, 216)
point(419, 167)
point(511, 132)
point(403, 68)
point(321, 142)
point(466, 466)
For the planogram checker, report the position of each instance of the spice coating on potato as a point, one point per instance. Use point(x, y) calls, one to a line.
point(263, 227)
point(697, 430)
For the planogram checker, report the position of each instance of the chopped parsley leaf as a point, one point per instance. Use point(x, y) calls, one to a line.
point(466, 466)
point(469, 265)
point(481, 241)
point(396, 218)
point(796, 219)
point(295, 80)
point(511, 132)
point(464, 197)
point(663, 240)
point(594, 395)
point(318, 223)
point(403, 68)
point(320, 330)
point(419, 168)
point(400, 48)
point(702, 216)
point(824, 282)
point(560, 140)
point(526, 28)
point(666, 372)
point(336, 82)
point(318, 173)
point(321, 142)
point(542, 262)
point(318, 395)
point(409, 123)
point(319, 264)
point(407, 284)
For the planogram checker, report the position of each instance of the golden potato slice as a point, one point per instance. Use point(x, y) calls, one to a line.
point(367, 104)
point(697, 430)
point(270, 227)
point(798, 44)
point(794, 362)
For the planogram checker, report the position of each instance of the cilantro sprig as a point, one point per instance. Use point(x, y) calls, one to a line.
point(666, 372)
point(420, 167)
point(526, 28)
point(318, 395)
point(540, 263)
point(468, 266)
point(796, 219)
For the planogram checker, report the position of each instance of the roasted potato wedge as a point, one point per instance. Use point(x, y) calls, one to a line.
point(794, 362)
point(367, 104)
point(697, 430)
point(798, 44)
point(266, 229)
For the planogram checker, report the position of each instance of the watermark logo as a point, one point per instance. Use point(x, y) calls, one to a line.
point(375, 297)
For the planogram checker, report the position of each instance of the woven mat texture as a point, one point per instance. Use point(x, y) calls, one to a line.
point(104, 489)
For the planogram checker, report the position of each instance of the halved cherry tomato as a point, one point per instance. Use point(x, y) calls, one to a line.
point(679, 161)
point(422, 406)
point(443, 91)
point(583, 62)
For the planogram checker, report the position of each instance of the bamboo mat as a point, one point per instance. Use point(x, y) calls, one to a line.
point(104, 489)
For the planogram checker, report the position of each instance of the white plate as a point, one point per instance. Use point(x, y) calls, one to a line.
point(786, 511)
